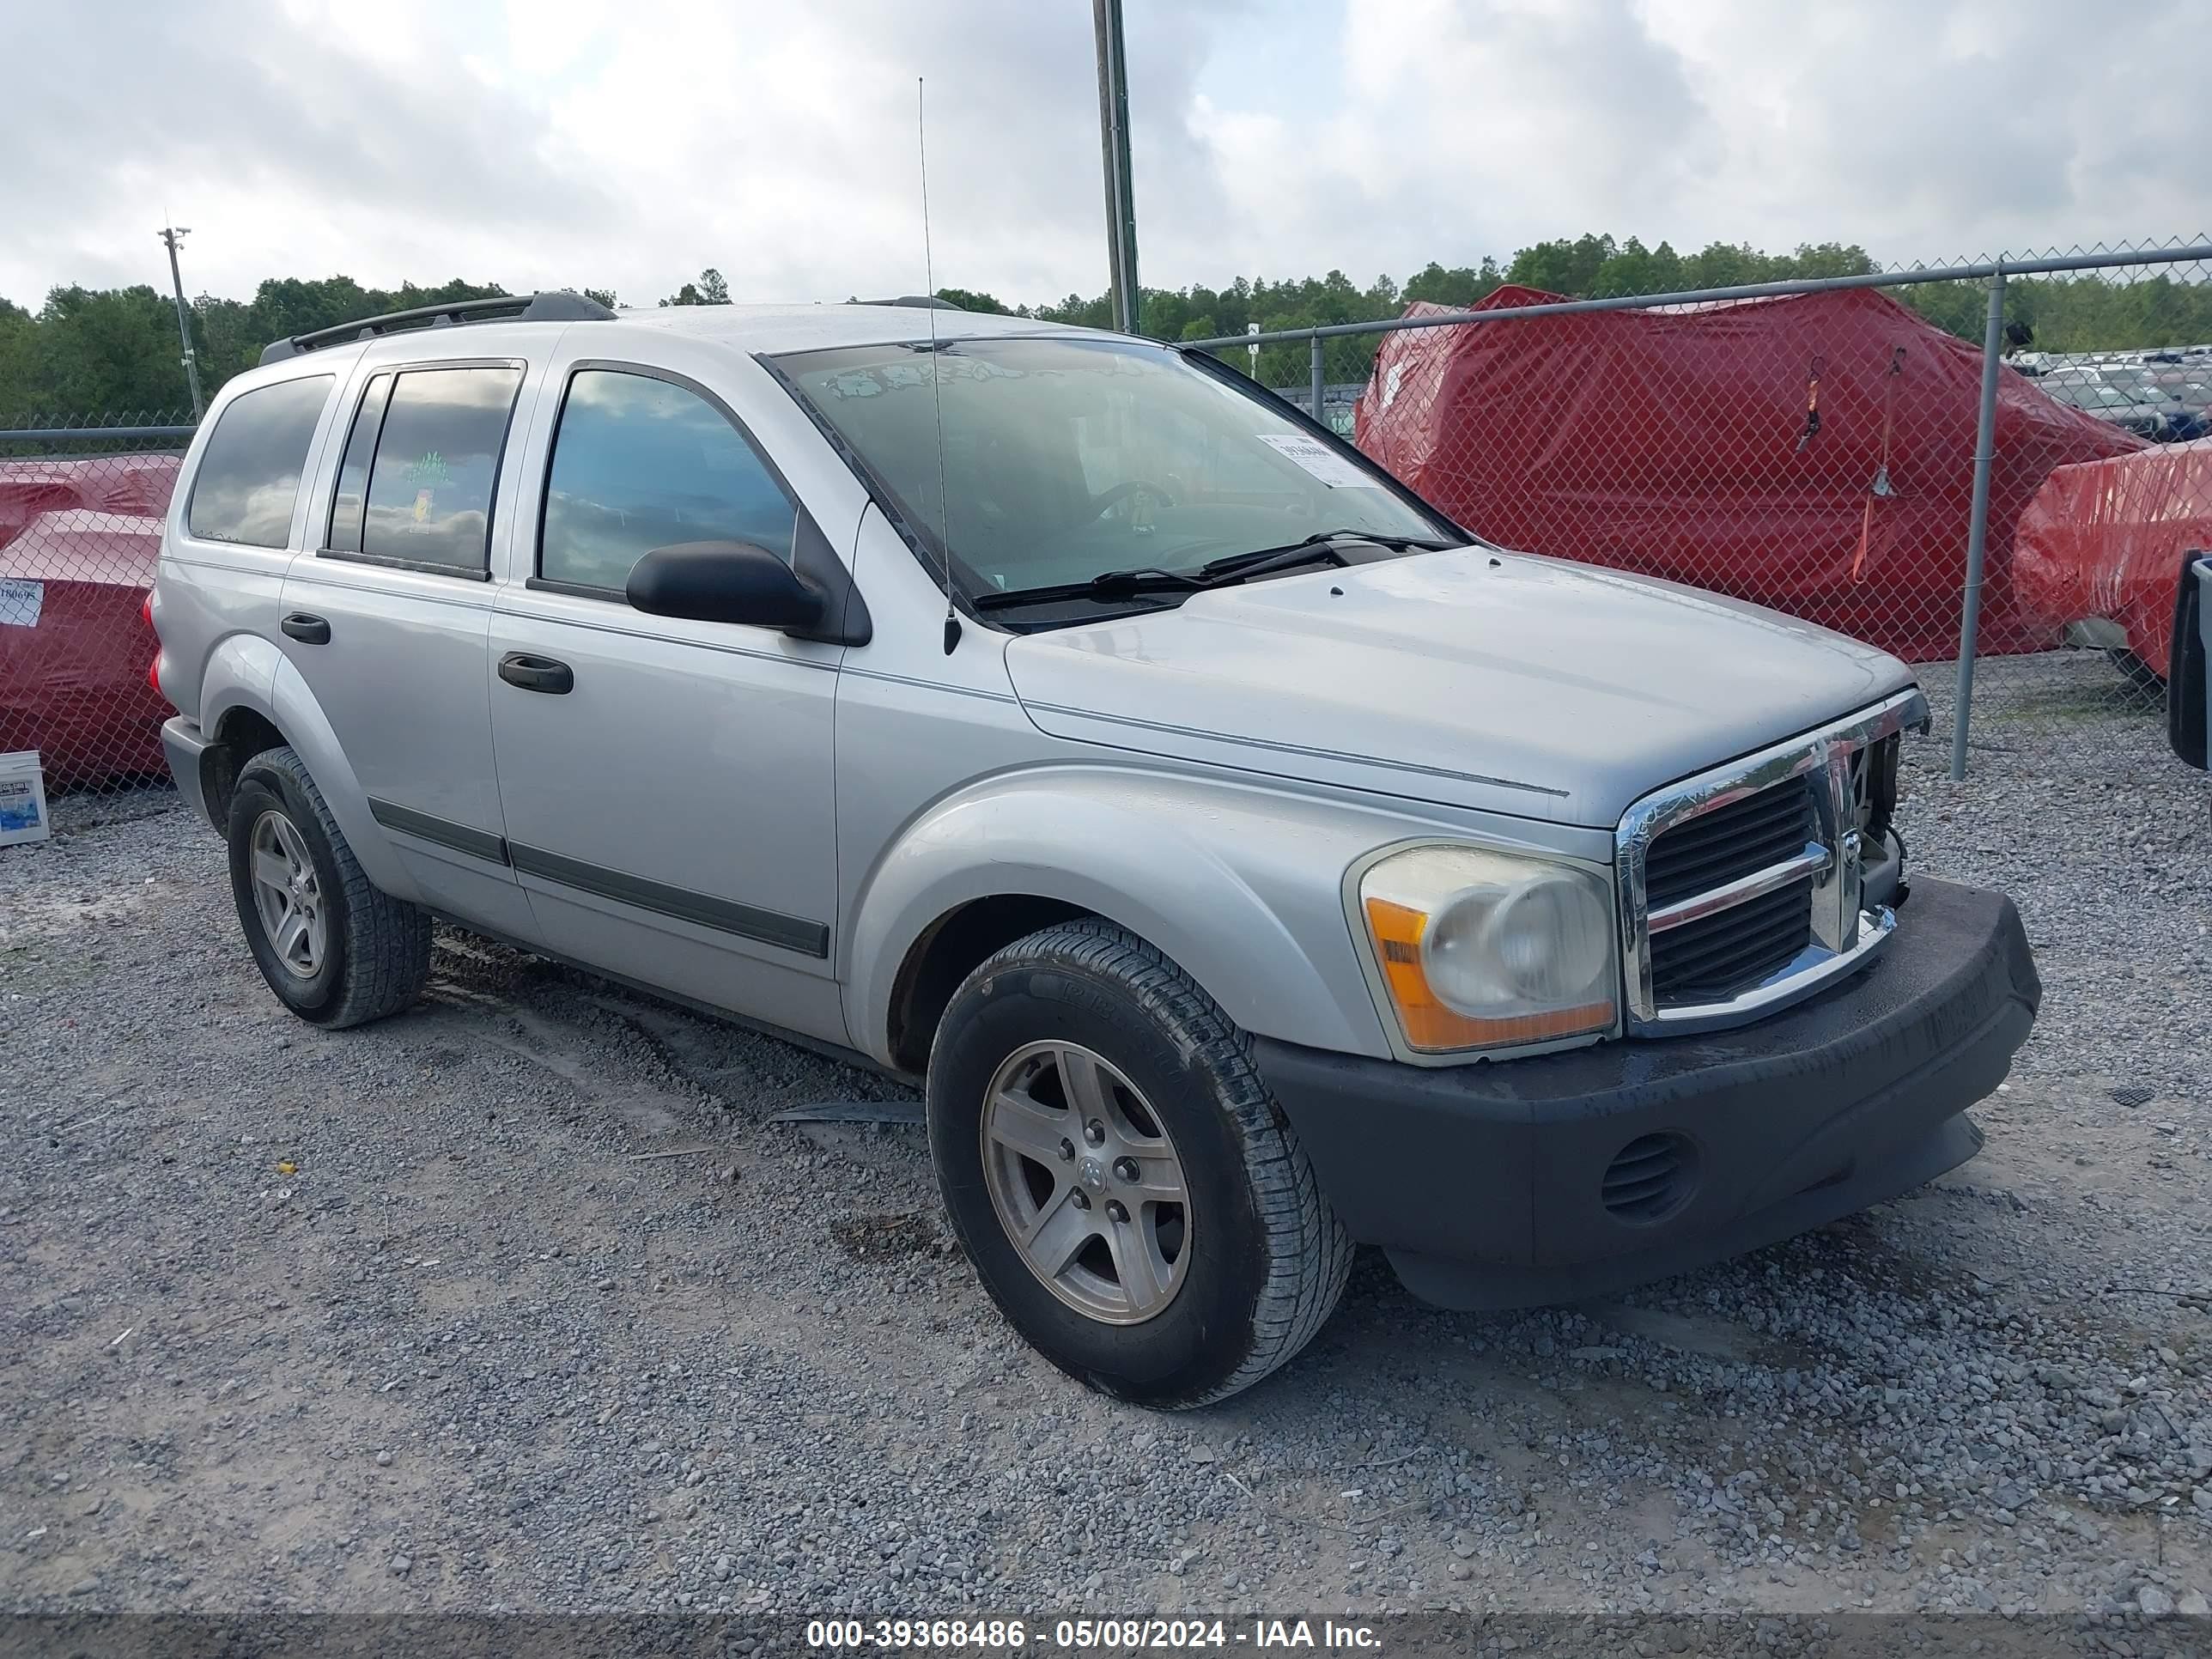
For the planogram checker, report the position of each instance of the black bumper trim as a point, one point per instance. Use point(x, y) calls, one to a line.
point(1484, 1182)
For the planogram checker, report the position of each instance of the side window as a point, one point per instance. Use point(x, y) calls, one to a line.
point(249, 474)
point(353, 471)
point(436, 461)
point(640, 463)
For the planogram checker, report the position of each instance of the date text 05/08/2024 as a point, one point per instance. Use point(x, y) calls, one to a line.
point(1081, 1634)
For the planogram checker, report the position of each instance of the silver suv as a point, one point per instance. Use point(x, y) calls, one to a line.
point(1248, 860)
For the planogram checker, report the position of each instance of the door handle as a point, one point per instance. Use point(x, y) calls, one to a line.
point(532, 673)
point(305, 628)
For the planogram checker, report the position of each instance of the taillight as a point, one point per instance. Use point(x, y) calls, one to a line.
point(146, 609)
point(154, 675)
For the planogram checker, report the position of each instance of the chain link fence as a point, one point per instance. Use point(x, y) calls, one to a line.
point(81, 504)
point(2015, 453)
point(2010, 452)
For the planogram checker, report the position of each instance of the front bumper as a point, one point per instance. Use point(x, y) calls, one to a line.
point(1489, 1184)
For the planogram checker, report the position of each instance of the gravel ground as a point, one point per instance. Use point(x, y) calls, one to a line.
point(519, 1302)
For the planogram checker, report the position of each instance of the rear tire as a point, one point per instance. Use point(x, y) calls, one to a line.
point(335, 950)
point(1239, 1281)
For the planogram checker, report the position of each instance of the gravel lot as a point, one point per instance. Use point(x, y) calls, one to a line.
point(519, 1302)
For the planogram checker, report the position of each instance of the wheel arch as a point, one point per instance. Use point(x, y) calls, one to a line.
point(253, 700)
point(1236, 886)
point(946, 952)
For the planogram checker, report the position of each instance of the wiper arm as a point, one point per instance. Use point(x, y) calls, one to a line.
point(1106, 585)
point(1236, 567)
point(1219, 572)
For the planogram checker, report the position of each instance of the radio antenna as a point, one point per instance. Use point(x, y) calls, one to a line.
point(936, 380)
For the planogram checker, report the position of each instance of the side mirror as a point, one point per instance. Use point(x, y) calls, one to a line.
point(2188, 679)
point(726, 582)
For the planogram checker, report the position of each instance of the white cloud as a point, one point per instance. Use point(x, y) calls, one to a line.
point(586, 142)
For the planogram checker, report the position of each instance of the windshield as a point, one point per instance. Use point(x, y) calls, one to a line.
point(1067, 456)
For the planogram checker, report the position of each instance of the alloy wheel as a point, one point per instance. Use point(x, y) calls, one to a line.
point(1086, 1182)
point(288, 894)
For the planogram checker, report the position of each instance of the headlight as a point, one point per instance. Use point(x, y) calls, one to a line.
point(1482, 950)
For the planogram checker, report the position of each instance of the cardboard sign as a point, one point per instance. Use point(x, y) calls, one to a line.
point(22, 798)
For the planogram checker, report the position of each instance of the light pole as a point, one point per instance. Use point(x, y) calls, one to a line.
point(1114, 139)
point(171, 235)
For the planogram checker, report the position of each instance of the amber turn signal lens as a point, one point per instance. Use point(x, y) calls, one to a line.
point(1432, 1028)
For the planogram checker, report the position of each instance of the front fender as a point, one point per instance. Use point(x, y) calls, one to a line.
point(1241, 884)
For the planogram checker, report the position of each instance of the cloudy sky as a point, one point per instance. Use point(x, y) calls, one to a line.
point(626, 143)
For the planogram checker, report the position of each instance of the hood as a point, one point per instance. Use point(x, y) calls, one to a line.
point(1501, 681)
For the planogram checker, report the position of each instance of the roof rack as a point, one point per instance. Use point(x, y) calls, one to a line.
point(913, 302)
point(555, 307)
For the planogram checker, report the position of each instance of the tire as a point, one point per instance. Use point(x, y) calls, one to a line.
point(1260, 1260)
point(371, 955)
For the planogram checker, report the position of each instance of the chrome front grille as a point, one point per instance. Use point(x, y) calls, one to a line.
point(1717, 846)
point(1729, 951)
point(1730, 892)
point(1740, 888)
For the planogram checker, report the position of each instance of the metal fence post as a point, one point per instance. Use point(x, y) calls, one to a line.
point(1317, 381)
point(1977, 525)
point(1114, 138)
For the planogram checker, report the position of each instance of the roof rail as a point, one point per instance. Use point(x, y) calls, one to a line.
point(912, 302)
point(555, 308)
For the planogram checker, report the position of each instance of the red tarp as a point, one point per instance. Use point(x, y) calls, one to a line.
point(79, 541)
point(2106, 538)
point(1674, 441)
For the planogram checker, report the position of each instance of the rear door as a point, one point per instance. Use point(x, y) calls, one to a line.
point(667, 785)
point(388, 621)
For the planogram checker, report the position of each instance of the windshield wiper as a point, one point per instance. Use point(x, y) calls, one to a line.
point(1106, 585)
point(1217, 573)
point(1236, 567)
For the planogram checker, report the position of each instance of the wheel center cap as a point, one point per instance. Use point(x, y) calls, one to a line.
point(1092, 1173)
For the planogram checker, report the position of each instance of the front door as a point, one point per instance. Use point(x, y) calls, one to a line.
point(666, 785)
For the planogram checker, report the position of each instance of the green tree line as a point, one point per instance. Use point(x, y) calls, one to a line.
point(113, 352)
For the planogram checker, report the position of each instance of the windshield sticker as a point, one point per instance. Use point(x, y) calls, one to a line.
point(1319, 459)
point(21, 602)
point(873, 382)
point(426, 474)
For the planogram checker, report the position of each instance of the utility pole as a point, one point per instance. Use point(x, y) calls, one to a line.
point(1114, 139)
point(172, 234)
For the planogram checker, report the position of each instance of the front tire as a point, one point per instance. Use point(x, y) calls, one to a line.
point(1114, 1165)
point(335, 950)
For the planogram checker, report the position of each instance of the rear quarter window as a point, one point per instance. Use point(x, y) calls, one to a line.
point(249, 475)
